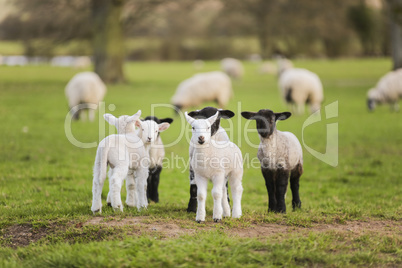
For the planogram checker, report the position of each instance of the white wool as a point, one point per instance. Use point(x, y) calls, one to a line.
point(218, 161)
point(232, 67)
point(388, 89)
point(267, 67)
point(304, 85)
point(203, 87)
point(128, 159)
point(283, 65)
point(85, 88)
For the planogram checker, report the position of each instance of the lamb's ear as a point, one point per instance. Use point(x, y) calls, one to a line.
point(194, 113)
point(226, 114)
point(248, 115)
point(213, 118)
point(111, 119)
point(189, 119)
point(166, 120)
point(163, 126)
point(282, 116)
point(134, 117)
point(138, 123)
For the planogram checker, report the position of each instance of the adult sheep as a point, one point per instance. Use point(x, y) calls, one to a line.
point(299, 87)
point(232, 67)
point(203, 87)
point(388, 90)
point(82, 90)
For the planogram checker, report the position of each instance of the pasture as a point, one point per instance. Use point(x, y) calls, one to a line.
point(351, 214)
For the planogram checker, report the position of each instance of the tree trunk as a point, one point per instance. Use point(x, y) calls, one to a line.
point(396, 41)
point(108, 46)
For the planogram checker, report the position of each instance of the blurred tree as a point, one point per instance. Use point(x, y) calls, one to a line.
point(395, 15)
point(108, 46)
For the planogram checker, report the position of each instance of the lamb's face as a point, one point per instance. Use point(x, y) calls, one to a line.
point(210, 111)
point(124, 124)
point(371, 96)
point(266, 120)
point(149, 130)
point(201, 129)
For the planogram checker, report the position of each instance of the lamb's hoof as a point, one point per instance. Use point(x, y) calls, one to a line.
point(199, 221)
point(192, 205)
point(217, 220)
point(96, 211)
point(109, 204)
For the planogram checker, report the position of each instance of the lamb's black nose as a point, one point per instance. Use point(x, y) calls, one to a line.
point(201, 139)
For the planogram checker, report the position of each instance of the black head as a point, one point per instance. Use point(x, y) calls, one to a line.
point(370, 105)
point(159, 121)
point(210, 111)
point(266, 120)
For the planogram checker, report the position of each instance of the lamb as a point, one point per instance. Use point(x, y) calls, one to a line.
point(220, 135)
point(84, 89)
point(203, 87)
point(154, 145)
point(387, 90)
point(128, 159)
point(280, 154)
point(232, 67)
point(299, 87)
point(219, 162)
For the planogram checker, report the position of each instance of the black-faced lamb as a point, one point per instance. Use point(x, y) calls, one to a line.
point(203, 87)
point(219, 135)
point(218, 162)
point(299, 87)
point(82, 90)
point(280, 155)
point(128, 159)
point(388, 90)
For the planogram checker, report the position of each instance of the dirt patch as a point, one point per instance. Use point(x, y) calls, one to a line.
point(23, 235)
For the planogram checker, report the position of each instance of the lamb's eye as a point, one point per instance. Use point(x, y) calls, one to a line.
point(156, 131)
point(209, 127)
point(193, 128)
point(142, 129)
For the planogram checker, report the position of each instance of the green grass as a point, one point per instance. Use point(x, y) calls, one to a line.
point(45, 181)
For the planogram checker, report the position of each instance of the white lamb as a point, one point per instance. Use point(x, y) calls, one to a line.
point(232, 67)
point(299, 87)
point(387, 90)
point(203, 87)
point(128, 159)
point(82, 90)
point(219, 163)
point(280, 155)
point(220, 135)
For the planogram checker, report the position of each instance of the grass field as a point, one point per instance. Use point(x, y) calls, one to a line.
point(351, 214)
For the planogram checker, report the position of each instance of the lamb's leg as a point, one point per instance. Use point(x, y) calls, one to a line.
point(294, 185)
point(108, 199)
point(116, 181)
point(225, 201)
point(91, 114)
point(202, 187)
point(235, 179)
point(141, 176)
point(219, 183)
point(281, 184)
point(192, 203)
point(97, 187)
point(153, 183)
point(270, 185)
point(131, 198)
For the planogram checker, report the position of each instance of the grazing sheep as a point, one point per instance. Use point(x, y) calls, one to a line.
point(82, 90)
point(280, 154)
point(156, 151)
point(128, 159)
point(203, 87)
point(82, 62)
point(218, 161)
point(299, 87)
point(387, 90)
point(232, 67)
point(283, 65)
point(267, 67)
point(220, 135)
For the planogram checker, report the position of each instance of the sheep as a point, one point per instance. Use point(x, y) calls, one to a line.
point(152, 142)
point(84, 88)
point(267, 67)
point(219, 162)
point(283, 65)
point(300, 86)
point(387, 90)
point(128, 159)
point(232, 67)
point(203, 87)
point(82, 62)
point(156, 151)
point(220, 135)
point(280, 154)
